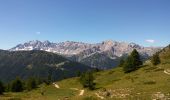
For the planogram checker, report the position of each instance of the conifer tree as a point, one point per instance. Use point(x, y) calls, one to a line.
point(17, 85)
point(133, 62)
point(136, 58)
point(31, 84)
point(155, 59)
point(49, 79)
point(87, 80)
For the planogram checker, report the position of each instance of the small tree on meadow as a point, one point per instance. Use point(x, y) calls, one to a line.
point(133, 62)
point(128, 65)
point(155, 59)
point(87, 80)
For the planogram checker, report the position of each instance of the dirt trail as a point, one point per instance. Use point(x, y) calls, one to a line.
point(167, 72)
point(74, 89)
point(56, 85)
point(99, 96)
point(81, 92)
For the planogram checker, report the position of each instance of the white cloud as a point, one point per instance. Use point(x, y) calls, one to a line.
point(38, 33)
point(150, 41)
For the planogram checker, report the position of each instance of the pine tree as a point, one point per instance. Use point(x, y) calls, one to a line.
point(17, 85)
point(31, 84)
point(2, 89)
point(8, 87)
point(87, 80)
point(155, 59)
point(133, 62)
point(136, 58)
point(128, 65)
point(48, 80)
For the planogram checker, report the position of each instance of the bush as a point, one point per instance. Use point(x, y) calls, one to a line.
point(111, 72)
point(96, 70)
point(149, 82)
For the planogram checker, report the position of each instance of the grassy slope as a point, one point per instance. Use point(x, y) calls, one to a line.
point(142, 84)
point(147, 83)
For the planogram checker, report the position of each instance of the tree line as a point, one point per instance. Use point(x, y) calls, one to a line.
point(133, 61)
point(19, 85)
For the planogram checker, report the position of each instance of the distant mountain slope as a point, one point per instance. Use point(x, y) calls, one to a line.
point(38, 64)
point(101, 60)
point(80, 52)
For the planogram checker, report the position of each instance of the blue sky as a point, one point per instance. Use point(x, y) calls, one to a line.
point(146, 22)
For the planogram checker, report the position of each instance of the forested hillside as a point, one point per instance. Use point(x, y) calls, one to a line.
point(39, 64)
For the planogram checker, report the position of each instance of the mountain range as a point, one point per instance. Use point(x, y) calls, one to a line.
point(148, 82)
point(104, 55)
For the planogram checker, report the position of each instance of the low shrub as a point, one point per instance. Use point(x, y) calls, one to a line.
point(149, 82)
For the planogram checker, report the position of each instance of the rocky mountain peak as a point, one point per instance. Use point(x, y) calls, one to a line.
point(109, 42)
point(135, 46)
point(46, 42)
point(82, 52)
point(34, 42)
